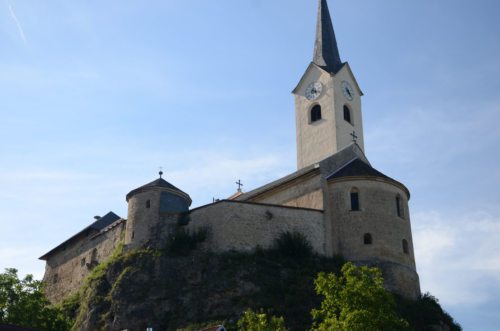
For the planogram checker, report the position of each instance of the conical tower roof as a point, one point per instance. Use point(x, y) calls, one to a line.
point(326, 52)
point(159, 183)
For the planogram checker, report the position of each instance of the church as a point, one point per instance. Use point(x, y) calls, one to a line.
point(336, 199)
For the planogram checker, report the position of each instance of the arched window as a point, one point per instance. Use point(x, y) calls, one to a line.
point(347, 114)
point(354, 199)
point(315, 113)
point(405, 247)
point(367, 239)
point(399, 206)
point(148, 203)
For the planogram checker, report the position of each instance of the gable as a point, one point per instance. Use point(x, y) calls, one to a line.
point(348, 69)
point(312, 73)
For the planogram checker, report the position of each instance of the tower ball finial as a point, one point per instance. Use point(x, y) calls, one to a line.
point(160, 172)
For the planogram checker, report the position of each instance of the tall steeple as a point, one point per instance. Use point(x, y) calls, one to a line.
point(326, 52)
point(327, 100)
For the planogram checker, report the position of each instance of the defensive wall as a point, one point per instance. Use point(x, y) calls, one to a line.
point(66, 269)
point(242, 226)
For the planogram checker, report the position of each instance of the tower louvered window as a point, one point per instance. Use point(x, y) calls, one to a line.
point(347, 114)
point(315, 113)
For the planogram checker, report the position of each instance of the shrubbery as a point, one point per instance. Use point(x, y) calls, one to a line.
point(252, 321)
point(292, 244)
point(182, 241)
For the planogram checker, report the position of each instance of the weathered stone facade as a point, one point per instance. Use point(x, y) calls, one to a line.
point(70, 263)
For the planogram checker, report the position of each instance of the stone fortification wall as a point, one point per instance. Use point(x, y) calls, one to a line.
point(399, 278)
point(243, 226)
point(66, 269)
point(378, 218)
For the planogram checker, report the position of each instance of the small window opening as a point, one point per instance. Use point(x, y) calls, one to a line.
point(399, 206)
point(354, 199)
point(405, 247)
point(55, 278)
point(148, 204)
point(367, 239)
point(347, 114)
point(315, 113)
point(82, 262)
point(133, 234)
point(93, 257)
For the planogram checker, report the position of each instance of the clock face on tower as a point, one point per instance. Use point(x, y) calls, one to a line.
point(313, 91)
point(347, 90)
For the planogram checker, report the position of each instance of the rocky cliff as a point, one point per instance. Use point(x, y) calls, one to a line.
point(180, 286)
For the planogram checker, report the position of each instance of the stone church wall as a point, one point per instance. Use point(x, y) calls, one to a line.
point(302, 193)
point(243, 226)
point(66, 269)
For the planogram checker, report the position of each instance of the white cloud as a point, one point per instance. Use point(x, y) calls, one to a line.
point(214, 175)
point(458, 257)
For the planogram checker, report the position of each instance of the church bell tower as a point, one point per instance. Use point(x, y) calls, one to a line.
point(327, 100)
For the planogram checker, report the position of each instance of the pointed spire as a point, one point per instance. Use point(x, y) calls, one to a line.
point(326, 52)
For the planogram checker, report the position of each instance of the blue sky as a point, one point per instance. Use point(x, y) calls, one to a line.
point(95, 96)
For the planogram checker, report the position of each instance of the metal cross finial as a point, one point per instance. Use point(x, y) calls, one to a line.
point(161, 172)
point(354, 137)
point(239, 185)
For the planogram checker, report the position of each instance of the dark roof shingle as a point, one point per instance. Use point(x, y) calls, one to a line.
point(160, 182)
point(98, 225)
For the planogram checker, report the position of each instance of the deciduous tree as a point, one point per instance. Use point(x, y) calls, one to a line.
point(355, 301)
point(23, 303)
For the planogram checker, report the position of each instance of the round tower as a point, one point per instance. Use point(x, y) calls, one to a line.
point(371, 224)
point(150, 205)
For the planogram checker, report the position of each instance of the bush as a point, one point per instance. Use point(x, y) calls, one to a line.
point(182, 241)
point(293, 244)
point(252, 321)
point(425, 313)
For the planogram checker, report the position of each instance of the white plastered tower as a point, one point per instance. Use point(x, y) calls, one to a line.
point(327, 100)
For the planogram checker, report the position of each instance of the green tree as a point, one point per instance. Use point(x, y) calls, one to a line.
point(355, 301)
point(23, 303)
point(252, 321)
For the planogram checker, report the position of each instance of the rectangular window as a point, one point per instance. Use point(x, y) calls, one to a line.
point(354, 201)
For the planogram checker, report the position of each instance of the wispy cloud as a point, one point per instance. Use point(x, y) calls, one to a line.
point(457, 256)
point(18, 24)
